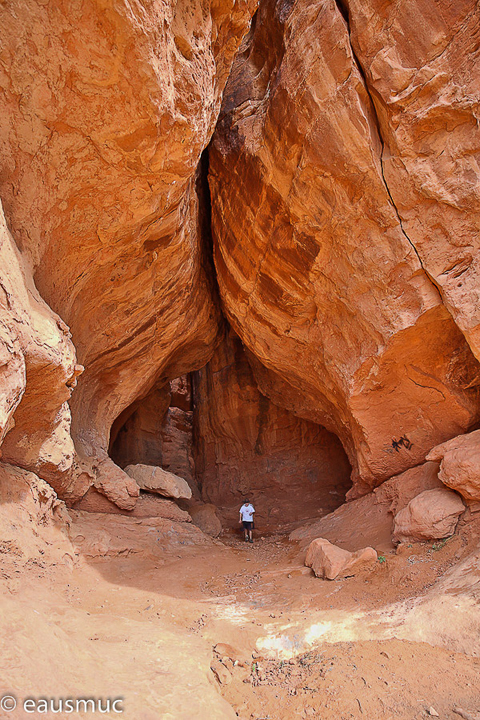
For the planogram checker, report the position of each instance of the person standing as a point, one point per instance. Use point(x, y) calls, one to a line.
point(246, 519)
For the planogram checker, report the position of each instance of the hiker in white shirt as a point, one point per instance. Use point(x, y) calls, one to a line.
point(246, 519)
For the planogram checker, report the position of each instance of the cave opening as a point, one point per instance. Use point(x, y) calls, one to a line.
point(216, 430)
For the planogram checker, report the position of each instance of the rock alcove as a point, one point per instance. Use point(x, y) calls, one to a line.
point(215, 429)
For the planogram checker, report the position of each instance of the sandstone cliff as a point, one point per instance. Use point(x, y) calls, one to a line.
point(316, 270)
point(344, 211)
point(105, 111)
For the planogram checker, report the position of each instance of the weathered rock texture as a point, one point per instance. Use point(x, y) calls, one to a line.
point(104, 113)
point(147, 505)
point(248, 446)
point(316, 272)
point(37, 372)
point(34, 524)
point(431, 514)
point(107, 535)
point(370, 518)
point(460, 464)
point(425, 86)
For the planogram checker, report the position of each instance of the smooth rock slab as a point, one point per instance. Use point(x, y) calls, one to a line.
point(431, 515)
point(330, 561)
point(156, 480)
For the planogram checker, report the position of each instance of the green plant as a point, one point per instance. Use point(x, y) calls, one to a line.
point(382, 559)
point(440, 544)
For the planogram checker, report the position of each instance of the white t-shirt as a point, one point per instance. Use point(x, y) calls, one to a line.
point(246, 512)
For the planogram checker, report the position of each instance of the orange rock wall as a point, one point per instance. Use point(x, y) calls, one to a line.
point(425, 85)
point(316, 272)
point(248, 447)
point(105, 110)
point(344, 186)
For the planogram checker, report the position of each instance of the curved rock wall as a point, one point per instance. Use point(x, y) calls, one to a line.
point(105, 110)
point(316, 272)
point(344, 188)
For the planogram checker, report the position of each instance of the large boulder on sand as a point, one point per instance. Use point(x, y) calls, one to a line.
point(157, 480)
point(330, 561)
point(431, 515)
point(460, 464)
point(205, 517)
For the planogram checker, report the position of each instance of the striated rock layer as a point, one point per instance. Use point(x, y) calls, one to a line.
point(246, 446)
point(316, 272)
point(105, 110)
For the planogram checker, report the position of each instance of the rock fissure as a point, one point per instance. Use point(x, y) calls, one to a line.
point(344, 11)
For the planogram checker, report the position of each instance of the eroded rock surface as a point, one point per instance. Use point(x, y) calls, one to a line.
point(101, 132)
point(37, 372)
point(425, 86)
point(156, 480)
point(316, 273)
point(158, 430)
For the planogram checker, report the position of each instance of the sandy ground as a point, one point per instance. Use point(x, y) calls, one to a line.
point(400, 640)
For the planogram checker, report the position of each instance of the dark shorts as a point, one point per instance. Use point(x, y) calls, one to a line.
point(247, 525)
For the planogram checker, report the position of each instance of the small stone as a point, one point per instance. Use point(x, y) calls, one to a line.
point(431, 711)
point(222, 673)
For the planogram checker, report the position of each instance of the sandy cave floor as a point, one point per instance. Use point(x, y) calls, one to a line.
point(373, 646)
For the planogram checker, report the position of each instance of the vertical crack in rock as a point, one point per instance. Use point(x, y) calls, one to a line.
point(343, 10)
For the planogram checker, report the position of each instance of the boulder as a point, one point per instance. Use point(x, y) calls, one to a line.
point(330, 561)
point(222, 673)
point(148, 505)
point(432, 514)
point(460, 464)
point(156, 480)
point(205, 517)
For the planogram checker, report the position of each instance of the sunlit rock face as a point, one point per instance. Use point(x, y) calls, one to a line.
point(37, 373)
point(426, 87)
point(246, 446)
point(316, 273)
point(105, 111)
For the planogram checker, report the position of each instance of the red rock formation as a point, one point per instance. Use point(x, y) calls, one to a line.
point(425, 86)
point(247, 446)
point(316, 273)
point(37, 373)
point(104, 114)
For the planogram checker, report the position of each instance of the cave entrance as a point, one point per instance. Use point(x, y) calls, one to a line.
point(216, 430)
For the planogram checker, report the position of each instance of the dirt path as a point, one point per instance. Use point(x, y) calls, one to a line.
point(288, 644)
